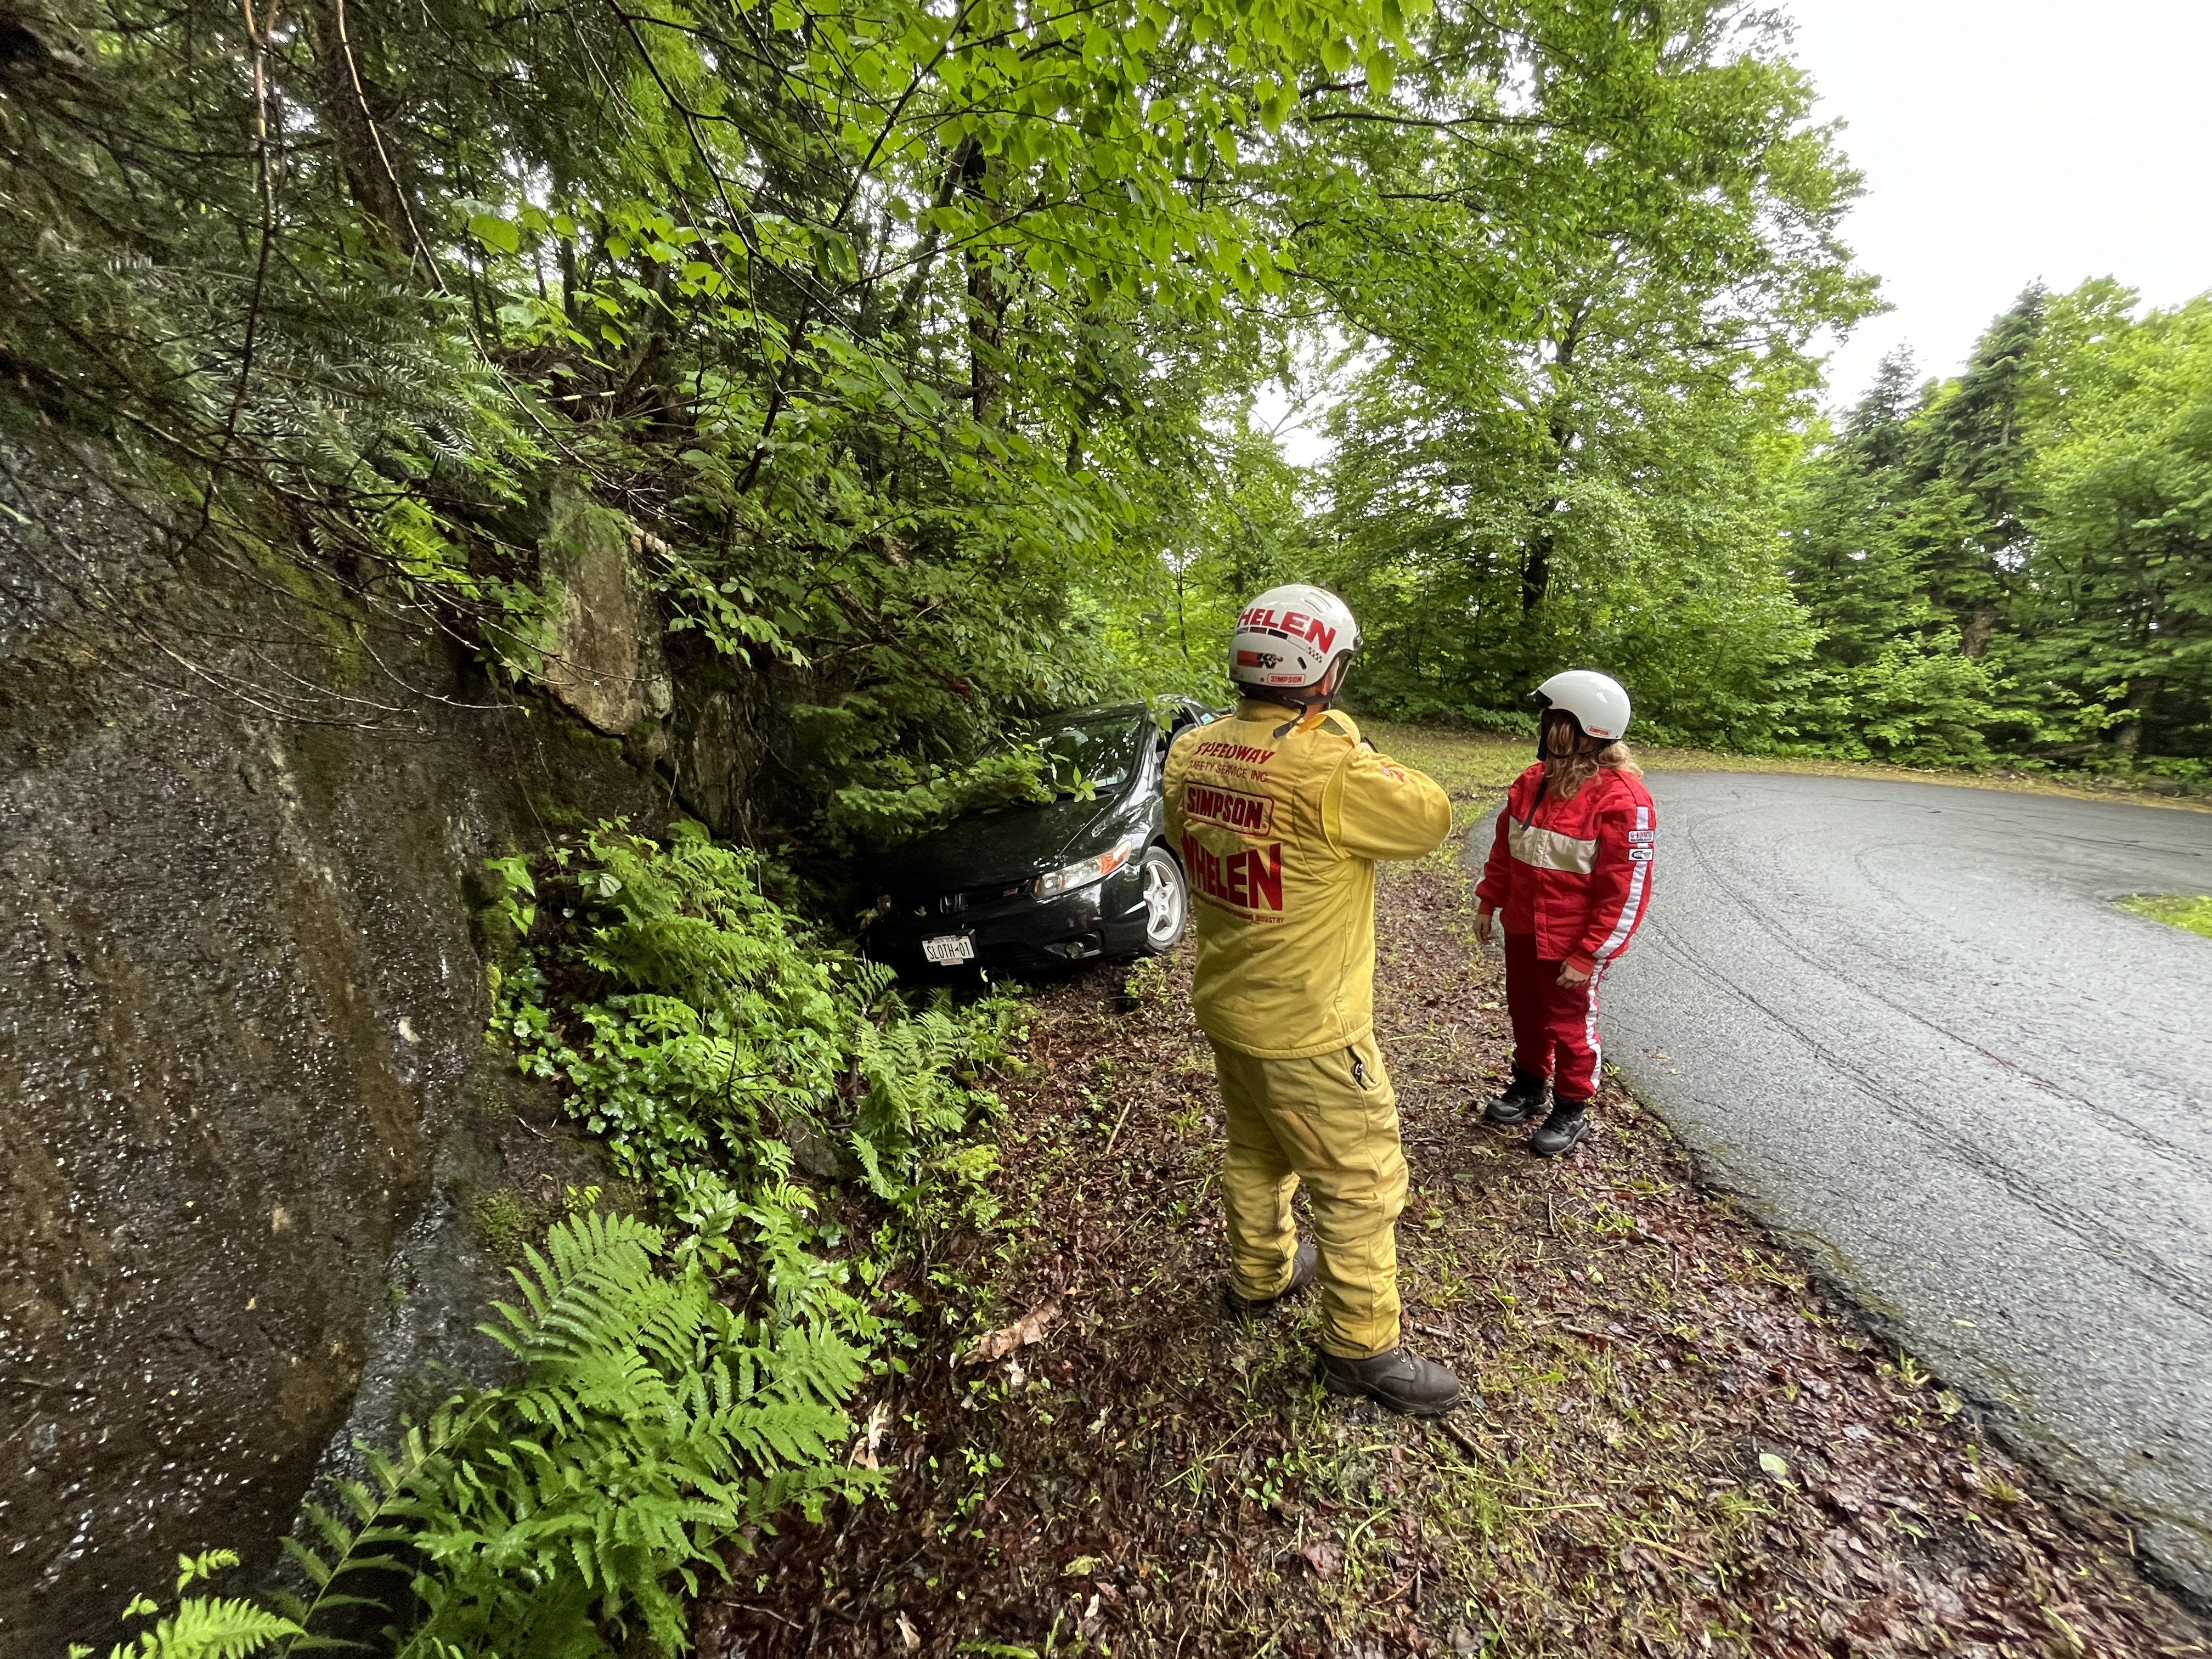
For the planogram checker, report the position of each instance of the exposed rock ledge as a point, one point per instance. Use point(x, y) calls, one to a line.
point(250, 1135)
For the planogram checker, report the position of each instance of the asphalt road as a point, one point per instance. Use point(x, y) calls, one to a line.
point(1905, 1023)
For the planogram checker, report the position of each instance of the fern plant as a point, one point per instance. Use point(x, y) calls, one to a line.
point(200, 1627)
point(723, 1030)
point(583, 1502)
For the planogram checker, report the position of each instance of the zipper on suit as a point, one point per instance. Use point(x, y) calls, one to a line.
point(1542, 784)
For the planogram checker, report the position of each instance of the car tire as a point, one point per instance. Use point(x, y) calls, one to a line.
point(1167, 901)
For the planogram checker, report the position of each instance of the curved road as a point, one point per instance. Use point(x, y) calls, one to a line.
point(1906, 1022)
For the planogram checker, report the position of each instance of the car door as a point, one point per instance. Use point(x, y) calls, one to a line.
point(1182, 714)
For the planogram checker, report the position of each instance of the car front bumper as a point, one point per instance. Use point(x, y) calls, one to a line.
point(1105, 919)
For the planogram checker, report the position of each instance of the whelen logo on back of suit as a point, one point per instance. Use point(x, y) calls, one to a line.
point(1249, 880)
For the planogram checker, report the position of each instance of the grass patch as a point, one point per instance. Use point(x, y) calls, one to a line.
point(2175, 909)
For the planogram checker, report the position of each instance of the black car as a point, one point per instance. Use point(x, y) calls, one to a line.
point(1090, 875)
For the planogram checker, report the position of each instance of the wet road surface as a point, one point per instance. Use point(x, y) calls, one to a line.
point(1906, 1022)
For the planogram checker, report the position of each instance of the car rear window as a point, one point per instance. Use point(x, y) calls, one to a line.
point(1101, 753)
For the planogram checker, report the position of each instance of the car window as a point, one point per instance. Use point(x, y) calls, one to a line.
point(1099, 753)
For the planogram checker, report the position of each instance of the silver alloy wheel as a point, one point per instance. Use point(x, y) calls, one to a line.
point(1165, 902)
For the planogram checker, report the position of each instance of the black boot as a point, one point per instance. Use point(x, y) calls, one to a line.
point(1523, 1099)
point(1305, 1267)
point(1563, 1130)
point(1401, 1381)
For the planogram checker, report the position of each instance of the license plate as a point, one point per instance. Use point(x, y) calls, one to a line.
point(951, 949)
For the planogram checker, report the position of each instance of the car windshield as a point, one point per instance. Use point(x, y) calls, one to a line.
point(1099, 753)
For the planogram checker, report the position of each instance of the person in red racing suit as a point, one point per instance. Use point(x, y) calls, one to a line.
point(1570, 877)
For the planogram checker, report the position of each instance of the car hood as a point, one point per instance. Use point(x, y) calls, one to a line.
point(1006, 845)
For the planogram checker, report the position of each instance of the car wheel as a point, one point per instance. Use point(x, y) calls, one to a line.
point(1167, 899)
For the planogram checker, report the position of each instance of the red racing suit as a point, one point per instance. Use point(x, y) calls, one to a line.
point(1570, 880)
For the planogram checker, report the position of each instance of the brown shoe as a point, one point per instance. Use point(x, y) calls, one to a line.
point(1305, 1267)
point(1402, 1381)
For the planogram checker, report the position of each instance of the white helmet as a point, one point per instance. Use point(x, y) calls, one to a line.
point(1594, 700)
point(1291, 636)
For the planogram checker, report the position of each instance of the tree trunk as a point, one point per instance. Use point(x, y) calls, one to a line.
point(903, 317)
point(2144, 692)
point(1975, 638)
point(986, 299)
point(366, 155)
point(1536, 564)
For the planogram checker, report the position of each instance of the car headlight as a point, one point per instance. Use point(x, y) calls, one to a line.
point(1084, 872)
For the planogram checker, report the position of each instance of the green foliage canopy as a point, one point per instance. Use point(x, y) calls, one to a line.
point(923, 336)
point(1585, 458)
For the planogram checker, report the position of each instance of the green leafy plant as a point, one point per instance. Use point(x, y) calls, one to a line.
point(701, 1025)
point(567, 1514)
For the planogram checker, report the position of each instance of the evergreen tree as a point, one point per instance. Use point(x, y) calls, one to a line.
point(1969, 466)
point(2018, 562)
point(1890, 681)
point(1850, 565)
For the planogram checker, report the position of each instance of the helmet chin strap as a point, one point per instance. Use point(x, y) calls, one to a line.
point(1311, 702)
point(1543, 728)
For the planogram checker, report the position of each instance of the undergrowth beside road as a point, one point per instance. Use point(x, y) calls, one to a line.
point(1488, 758)
point(1684, 1447)
point(791, 1130)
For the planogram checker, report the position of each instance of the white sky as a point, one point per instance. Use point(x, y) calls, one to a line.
point(2008, 140)
point(2002, 140)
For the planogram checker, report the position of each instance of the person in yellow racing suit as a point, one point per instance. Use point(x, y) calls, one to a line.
point(1279, 813)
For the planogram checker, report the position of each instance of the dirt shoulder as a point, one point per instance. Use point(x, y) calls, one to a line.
point(1681, 1446)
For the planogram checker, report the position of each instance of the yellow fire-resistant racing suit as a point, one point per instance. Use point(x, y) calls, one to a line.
point(1280, 821)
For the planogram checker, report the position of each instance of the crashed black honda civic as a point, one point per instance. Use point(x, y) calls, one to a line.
point(1088, 875)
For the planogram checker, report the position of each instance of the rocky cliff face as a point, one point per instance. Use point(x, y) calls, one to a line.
point(259, 1162)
